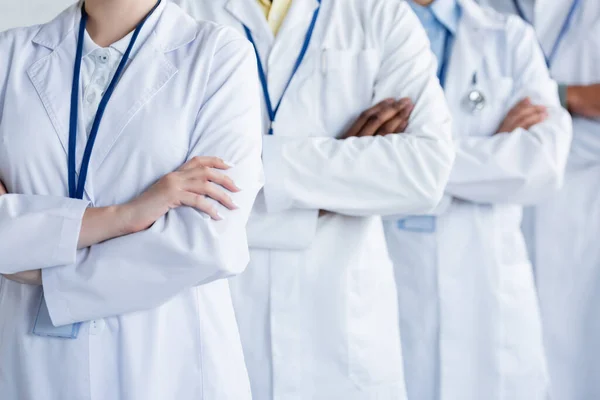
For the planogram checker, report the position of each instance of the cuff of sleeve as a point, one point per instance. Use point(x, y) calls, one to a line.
point(438, 211)
point(442, 207)
point(291, 230)
point(66, 247)
point(562, 95)
point(57, 306)
point(276, 197)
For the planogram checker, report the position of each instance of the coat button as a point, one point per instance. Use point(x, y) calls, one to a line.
point(104, 57)
point(97, 326)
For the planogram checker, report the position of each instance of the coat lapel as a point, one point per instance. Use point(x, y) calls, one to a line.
point(550, 16)
point(146, 74)
point(52, 75)
point(281, 59)
point(296, 22)
point(474, 31)
point(249, 14)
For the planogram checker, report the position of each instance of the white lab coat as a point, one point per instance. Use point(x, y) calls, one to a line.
point(162, 322)
point(469, 316)
point(564, 230)
point(316, 307)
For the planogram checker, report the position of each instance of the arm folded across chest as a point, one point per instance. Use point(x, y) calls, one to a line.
point(185, 248)
point(363, 176)
point(525, 165)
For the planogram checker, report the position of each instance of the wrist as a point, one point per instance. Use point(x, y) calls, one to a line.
point(572, 98)
point(123, 215)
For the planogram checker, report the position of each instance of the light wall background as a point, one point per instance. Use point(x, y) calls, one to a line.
point(15, 13)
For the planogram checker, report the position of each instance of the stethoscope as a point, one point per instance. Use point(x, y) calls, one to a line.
point(474, 101)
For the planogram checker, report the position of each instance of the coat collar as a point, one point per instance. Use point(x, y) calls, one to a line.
point(481, 18)
point(248, 13)
point(148, 73)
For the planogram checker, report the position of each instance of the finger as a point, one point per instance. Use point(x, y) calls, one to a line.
point(200, 203)
point(223, 180)
point(403, 103)
point(2, 189)
point(204, 161)
point(532, 120)
point(209, 174)
point(406, 112)
point(364, 117)
point(399, 122)
point(216, 193)
point(526, 112)
point(526, 102)
point(377, 121)
point(392, 126)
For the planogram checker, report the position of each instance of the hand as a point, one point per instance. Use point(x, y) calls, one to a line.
point(188, 186)
point(27, 277)
point(2, 189)
point(523, 115)
point(584, 100)
point(388, 116)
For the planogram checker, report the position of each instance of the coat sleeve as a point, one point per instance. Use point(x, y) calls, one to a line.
point(38, 231)
point(35, 231)
point(399, 173)
point(585, 149)
point(292, 229)
point(522, 166)
point(185, 248)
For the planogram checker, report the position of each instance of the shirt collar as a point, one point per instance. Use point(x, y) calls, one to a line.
point(121, 45)
point(448, 12)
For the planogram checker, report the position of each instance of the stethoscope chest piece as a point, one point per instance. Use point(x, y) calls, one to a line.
point(475, 101)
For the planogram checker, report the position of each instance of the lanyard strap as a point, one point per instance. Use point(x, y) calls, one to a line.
point(263, 75)
point(563, 30)
point(76, 188)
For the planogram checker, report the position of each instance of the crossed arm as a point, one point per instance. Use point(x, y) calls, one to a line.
point(187, 186)
point(162, 242)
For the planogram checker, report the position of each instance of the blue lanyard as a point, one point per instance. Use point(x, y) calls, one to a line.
point(563, 30)
point(42, 325)
point(263, 76)
point(76, 188)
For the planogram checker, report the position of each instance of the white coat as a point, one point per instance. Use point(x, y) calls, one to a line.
point(469, 316)
point(162, 323)
point(316, 307)
point(564, 230)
